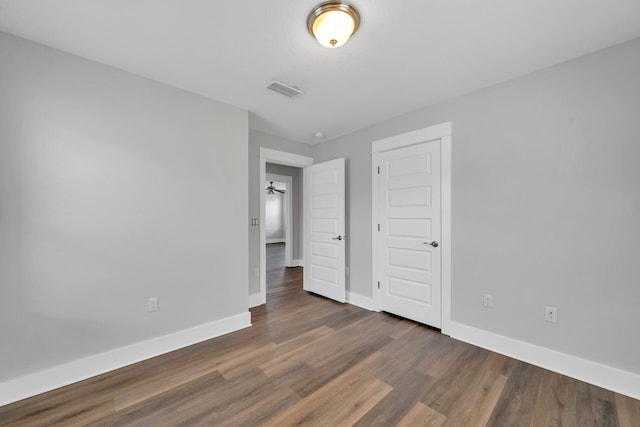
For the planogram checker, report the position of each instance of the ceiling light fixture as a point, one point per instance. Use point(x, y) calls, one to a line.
point(333, 22)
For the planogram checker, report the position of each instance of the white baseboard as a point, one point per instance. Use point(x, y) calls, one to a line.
point(275, 241)
point(360, 301)
point(81, 369)
point(297, 263)
point(255, 300)
point(604, 376)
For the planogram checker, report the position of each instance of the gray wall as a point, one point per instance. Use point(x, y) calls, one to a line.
point(109, 195)
point(256, 140)
point(546, 204)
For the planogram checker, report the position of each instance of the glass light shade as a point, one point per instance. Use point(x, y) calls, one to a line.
point(333, 23)
point(333, 29)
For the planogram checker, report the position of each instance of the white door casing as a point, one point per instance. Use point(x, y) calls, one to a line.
point(324, 241)
point(440, 135)
point(409, 215)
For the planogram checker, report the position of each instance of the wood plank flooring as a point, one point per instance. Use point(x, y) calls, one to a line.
point(311, 361)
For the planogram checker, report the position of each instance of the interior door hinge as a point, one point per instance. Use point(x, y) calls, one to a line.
point(378, 170)
point(378, 227)
point(378, 284)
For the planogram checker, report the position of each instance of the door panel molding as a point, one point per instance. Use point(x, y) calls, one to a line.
point(324, 247)
point(410, 268)
point(441, 133)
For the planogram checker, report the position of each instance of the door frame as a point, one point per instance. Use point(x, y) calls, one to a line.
point(441, 133)
point(268, 155)
point(287, 213)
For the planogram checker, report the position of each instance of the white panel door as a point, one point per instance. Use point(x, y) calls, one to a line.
point(409, 257)
point(324, 253)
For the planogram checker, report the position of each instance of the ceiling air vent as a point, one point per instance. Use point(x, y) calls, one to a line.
point(284, 89)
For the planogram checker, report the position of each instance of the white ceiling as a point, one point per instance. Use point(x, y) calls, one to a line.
point(407, 53)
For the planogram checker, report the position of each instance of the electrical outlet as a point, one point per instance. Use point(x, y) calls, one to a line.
point(551, 314)
point(152, 304)
point(488, 300)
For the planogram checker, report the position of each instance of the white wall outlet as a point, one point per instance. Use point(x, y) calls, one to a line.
point(152, 304)
point(488, 300)
point(551, 314)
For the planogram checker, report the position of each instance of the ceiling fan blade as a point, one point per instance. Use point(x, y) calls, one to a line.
point(271, 189)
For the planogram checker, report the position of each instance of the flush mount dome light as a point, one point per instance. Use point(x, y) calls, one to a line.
point(333, 22)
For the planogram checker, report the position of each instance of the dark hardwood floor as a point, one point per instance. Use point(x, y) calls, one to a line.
point(311, 361)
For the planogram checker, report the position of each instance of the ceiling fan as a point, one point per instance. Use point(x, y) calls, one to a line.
point(271, 189)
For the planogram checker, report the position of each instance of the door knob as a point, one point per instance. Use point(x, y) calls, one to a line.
point(434, 243)
point(337, 238)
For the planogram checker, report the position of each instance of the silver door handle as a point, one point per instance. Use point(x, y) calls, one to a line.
point(434, 243)
point(337, 238)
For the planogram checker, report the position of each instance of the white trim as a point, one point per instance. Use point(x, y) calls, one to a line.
point(613, 379)
point(441, 132)
point(262, 232)
point(297, 263)
point(255, 300)
point(375, 220)
point(404, 140)
point(360, 301)
point(276, 241)
point(445, 224)
point(288, 214)
point(284, 158)
point(81, 369)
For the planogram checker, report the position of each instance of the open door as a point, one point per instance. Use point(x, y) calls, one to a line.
point(324, 241)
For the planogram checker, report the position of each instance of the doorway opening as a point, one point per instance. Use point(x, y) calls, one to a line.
point(275, 162)
point(282, 223)
point(280, 203)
